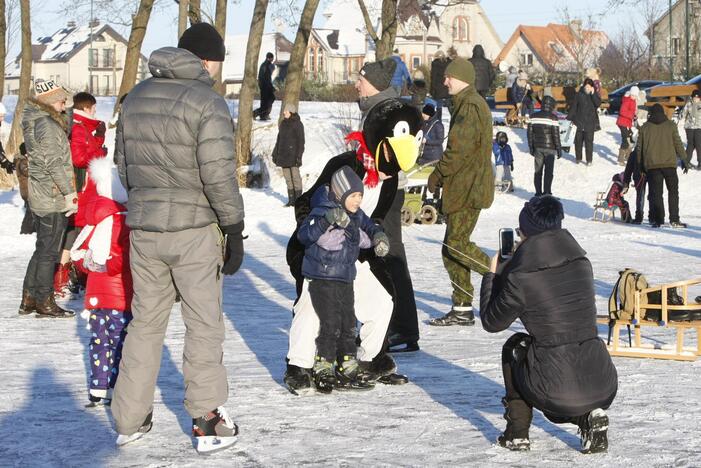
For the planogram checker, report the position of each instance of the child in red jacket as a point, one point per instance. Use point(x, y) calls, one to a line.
point(102, 251)
point(87, 137)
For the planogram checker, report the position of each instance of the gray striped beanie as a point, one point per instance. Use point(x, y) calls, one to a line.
point(344, 182)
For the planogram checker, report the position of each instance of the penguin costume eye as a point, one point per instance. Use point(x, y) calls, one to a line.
point(396, 126)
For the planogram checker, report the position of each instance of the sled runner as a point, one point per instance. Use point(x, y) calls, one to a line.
point(604, 212)
point(653, 306)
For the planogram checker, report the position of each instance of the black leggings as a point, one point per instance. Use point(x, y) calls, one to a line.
point(626, 136)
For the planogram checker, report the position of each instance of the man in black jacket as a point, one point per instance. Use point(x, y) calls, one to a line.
point(439, 91)
point(484, 71)
point(561, 366)
point(267, 90)
point(584, 114)
point(544, 144)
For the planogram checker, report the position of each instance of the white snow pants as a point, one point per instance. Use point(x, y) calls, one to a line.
point(373, 308)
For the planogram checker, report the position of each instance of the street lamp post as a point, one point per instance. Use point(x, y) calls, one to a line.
point(90, 52)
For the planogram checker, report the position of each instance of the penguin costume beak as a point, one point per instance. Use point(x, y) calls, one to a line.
point(405, 148)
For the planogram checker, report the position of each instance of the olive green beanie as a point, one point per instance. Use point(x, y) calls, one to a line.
point(461, 69)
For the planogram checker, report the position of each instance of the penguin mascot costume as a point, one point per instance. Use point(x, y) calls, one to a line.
point(389, 142)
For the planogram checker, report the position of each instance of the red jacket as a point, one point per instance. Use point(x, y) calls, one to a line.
point(111, 289)
point(627, 112)
point(85, 147)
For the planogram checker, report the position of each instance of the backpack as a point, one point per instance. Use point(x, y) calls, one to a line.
point(622, 299)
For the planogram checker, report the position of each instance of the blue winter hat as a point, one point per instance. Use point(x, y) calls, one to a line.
point(344, 182)
point(541, 214)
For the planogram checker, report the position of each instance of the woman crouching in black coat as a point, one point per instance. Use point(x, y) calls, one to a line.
point(561, 367)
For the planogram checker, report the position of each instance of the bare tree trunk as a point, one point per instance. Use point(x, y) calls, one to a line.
point(295, 69)
point(220, 26)
point(385, 42)
point(133, 56)
point(3, 50)
point(248, 88)
point(383, 48)
point(195, 11)
point(182, 16)
point(25, 78)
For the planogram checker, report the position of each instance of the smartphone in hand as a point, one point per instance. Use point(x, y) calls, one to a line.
point(507, 243)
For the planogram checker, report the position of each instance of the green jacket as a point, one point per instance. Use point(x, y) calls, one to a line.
point(50, 165)
point(659, 145)
point(465, 169)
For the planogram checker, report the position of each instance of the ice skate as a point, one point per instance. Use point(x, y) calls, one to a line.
point(324, 375)
point(516, 445)
point(383, 370)
point(299, 380)
point(124, 439)
point(214, 432)
point(349, 376)
point(95, 401)
point(593, 432)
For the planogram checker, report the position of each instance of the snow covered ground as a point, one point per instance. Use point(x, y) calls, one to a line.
point(450, 413)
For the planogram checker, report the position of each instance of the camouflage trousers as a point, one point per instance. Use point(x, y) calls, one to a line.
point(461, 256)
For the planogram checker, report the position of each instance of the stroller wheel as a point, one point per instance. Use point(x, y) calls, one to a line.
point(429, 214)
point(407, 217)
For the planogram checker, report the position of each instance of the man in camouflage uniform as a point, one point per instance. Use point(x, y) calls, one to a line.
point(465, 172)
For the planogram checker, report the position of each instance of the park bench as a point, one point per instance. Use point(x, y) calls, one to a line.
point(563, 95)
point(670, 97)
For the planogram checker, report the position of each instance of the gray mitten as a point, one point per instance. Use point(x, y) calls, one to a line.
point(381, 243)
point(337, 216)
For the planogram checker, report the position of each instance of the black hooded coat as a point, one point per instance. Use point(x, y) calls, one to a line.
point(484, 71)
point(548, 284)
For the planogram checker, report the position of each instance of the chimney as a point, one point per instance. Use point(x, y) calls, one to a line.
point(576, 27)
point(94, 23)
point(71, 24)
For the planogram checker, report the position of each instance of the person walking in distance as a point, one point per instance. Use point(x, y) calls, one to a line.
point(465, 172)
point(692, 125)
point(584, 114)
point(658, 148)
point(484, 71)
point(288, 152)
point(186, 232)
point(544, 145)
point(267, 90)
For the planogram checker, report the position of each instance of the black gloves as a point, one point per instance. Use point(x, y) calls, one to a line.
point(511, 166)
point(233, 256)
point(6, 164)
point(685, 167)
point(101, 129)
point(559, 154)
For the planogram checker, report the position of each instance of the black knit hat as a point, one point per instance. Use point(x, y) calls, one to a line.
point(204, 41)
point(379, 74)
point(540, 214)
point(429, 109)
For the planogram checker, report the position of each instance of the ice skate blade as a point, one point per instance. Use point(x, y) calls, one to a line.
point(206, 445)
point(123, 440)
point(302, 391)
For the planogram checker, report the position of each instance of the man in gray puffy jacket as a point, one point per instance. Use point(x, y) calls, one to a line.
point(175, 153)
point(52, 195)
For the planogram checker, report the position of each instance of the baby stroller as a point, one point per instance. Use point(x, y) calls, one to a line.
point(419, 204)
point(607, 202)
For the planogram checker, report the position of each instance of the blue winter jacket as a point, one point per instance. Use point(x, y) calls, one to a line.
point(401, 73)
point(330, 251)
point(502, 156)
point(434, 133)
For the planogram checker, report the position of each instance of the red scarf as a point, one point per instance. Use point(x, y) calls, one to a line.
point(363, 154)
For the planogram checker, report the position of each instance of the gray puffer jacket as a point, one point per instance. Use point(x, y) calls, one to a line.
point(50, 166)
point(175, 148)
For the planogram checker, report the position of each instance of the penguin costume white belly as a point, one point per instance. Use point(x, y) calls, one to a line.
point(389, 142)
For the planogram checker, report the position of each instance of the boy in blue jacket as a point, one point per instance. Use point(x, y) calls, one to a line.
point(333, 234)
point(504, 163)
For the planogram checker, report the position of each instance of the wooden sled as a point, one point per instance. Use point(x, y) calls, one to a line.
point(636, 348)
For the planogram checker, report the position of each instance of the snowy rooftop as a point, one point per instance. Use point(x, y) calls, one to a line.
point(234, 62)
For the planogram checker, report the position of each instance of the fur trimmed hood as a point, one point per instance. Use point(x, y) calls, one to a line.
point(104, 173)
point(39, 108)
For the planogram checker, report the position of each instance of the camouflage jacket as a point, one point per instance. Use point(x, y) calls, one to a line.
point(51, 175)
point(465, 169)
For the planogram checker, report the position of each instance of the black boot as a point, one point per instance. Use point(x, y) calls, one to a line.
point(518, 417)
point(460, 314)
point(324, 375)
point(383, 369)
point(593, 429)
point(290, 198)
point(28, 304)
point(349, 376)
point(298, 380)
